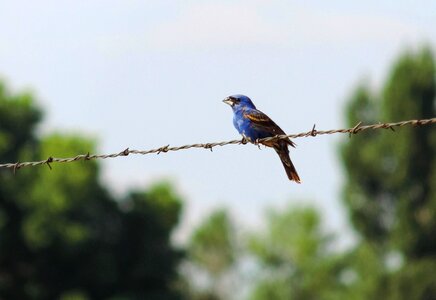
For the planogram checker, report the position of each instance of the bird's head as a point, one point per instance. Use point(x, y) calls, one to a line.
point(239, 101)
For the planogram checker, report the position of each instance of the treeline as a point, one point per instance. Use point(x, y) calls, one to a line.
point(64, 235)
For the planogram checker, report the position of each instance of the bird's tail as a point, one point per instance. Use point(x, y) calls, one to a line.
point(283, 152)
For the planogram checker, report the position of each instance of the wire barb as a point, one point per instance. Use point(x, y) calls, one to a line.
point(163, 149)
point(355, 129)
point(16, 166)
point(208, 146)
point(48, 161)
point(313, 133)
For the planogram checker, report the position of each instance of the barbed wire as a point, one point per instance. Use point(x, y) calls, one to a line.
point(312, 133)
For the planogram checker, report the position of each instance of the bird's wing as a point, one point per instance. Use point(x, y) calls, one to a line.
point(264, 123)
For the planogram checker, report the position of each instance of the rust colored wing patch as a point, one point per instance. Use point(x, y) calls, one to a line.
point(257, 117)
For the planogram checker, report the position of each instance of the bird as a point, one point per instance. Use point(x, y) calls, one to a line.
point(253, 125)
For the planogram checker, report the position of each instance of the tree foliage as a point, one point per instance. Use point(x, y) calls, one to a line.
point(295, 257)
point(211, 257)
point(63, 235)
point(391, 177)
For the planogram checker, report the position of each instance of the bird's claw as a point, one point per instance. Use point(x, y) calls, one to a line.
point(257, 143)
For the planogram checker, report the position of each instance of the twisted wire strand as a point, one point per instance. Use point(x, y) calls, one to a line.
point(312, 133)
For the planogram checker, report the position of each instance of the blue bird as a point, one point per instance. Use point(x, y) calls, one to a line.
point(253, 124)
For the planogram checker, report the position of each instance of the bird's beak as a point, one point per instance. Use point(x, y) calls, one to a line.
point(228, 101)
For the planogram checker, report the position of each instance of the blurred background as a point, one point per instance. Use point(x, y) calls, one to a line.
point(101, 76)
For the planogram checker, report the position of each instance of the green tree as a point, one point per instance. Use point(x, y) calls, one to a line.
point(212, 254)
point(147, 263)
point(391, 177)
point(296, 259)
point(63, 235)
point(18, 119)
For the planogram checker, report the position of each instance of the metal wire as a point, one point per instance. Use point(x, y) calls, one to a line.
point(354, 130)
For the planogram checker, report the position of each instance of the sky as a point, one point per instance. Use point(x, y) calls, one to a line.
point(143, 74)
